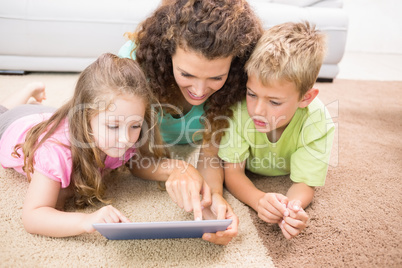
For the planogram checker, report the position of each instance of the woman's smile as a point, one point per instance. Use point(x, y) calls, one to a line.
point(194, 96)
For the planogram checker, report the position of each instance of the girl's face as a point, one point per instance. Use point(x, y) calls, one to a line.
point(197, 77)
point(117, 129)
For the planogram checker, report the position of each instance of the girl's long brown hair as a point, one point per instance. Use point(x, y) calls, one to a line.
point(106, 78)
point(213, 28)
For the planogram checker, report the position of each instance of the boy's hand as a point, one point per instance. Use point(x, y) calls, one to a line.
point(292, 225)
point(272, 207)
point(107, 214)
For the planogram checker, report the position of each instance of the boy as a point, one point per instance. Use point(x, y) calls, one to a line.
point(281, 128)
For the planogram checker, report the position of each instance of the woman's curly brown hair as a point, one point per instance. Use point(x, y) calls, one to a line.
point(212, 28)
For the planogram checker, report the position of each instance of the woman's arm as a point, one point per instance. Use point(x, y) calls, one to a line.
point(183, 182)
point(211, 168)
point(39, 215)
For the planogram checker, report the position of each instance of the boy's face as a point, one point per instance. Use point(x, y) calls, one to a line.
point(271, 107)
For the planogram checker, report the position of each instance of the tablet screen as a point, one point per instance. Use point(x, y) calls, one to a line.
point(160, 230)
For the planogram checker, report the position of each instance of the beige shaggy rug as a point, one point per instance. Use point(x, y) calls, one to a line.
point(355, 219)
point(139, 200)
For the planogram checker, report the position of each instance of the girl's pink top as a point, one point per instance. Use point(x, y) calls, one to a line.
point(53, 157)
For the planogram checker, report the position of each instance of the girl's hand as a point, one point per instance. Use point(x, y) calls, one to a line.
point(184, 185)
point(220, 210)
point(107, 214)
point(272, 207)
point(292, 225)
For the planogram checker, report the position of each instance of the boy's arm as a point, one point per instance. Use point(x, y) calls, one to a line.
point(271, 207)
point(240, 185)
point(301, 191)
point(309, 163)
point(300, 196)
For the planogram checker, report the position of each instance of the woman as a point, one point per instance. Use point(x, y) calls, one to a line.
point(193, 53)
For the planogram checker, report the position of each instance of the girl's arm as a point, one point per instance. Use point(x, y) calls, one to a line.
point(40, 216)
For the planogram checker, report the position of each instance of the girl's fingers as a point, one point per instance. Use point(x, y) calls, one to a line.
point(120, 216)
point(110, 215)
point(108, 219)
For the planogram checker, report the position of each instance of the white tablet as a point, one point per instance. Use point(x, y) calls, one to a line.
point(160, 230)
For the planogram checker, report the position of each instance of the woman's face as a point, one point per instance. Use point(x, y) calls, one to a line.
point(197, 77)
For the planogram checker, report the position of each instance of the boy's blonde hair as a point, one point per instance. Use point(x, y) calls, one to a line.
point(290, 51)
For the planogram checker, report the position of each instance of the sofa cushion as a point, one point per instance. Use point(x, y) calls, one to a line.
point(306, 3)
point(68, 35)
point(299, 3)
point(67, 28)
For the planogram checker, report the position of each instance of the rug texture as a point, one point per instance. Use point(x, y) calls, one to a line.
point(137, 199)
point(355, 219)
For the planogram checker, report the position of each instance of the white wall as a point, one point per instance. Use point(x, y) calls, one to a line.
point(374, 26)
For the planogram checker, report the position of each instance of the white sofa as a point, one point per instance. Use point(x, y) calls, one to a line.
point(67, 35)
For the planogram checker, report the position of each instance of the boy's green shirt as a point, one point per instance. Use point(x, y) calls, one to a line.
point(302, 151)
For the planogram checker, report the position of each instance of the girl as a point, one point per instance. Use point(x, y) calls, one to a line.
point(66, 152)
point(193, 53)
